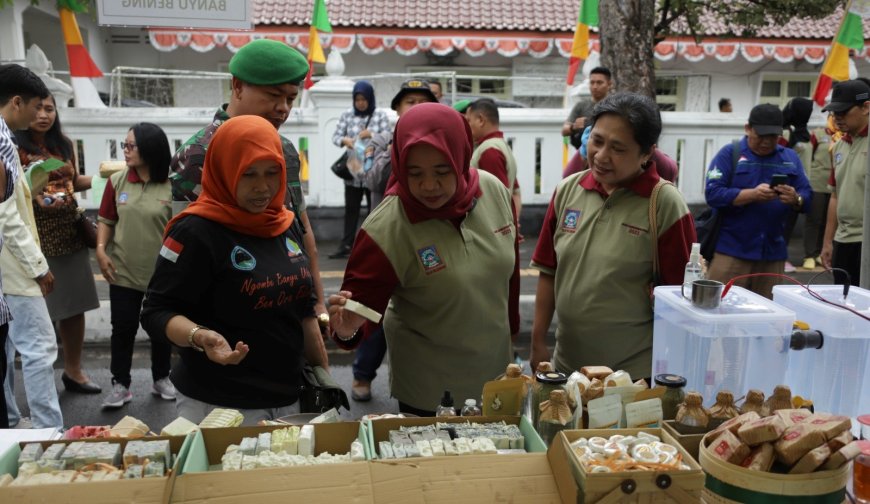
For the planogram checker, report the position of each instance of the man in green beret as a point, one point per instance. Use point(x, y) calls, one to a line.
point(266, 77)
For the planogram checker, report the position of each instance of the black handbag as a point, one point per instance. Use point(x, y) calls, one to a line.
point(340, 169)
point(88, 230)
point(707, 227)
point(319, 392)
point(708, 224)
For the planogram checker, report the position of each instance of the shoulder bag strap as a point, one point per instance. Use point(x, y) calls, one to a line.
point(654, 228)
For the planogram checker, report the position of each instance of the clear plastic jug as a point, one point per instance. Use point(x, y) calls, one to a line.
point(836, 377)
point(740, 345)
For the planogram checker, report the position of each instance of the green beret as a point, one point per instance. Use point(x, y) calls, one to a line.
point(461, 105)
point(267, 62)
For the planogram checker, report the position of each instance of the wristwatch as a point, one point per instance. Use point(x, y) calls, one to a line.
point(190, 341)
point(800, 201)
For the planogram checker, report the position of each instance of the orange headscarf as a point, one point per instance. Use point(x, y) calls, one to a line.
point(237, 144)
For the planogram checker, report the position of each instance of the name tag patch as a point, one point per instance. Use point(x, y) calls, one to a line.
point(430, 259)
point(504, 230)
point(634, 230)
point(570, 219)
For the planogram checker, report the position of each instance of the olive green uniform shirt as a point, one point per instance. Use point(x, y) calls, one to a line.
point(850, 168)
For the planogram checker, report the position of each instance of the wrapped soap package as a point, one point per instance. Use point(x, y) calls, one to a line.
point(796, 442)
point(640, 414)
point(729, 448)
point(735, 423)
point(812, 460)
point(763, 430)
point(605, 412)
point(761, 458)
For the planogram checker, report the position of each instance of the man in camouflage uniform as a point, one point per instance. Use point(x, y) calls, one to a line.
point(265, 82)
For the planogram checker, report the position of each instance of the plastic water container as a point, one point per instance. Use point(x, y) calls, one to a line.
point(741, 345)
point(835, 377)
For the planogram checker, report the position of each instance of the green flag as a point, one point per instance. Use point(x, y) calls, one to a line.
point(320, 18)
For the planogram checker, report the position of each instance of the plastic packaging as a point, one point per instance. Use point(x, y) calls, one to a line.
point(446, 408)
point(471, 408)
point(693, 269)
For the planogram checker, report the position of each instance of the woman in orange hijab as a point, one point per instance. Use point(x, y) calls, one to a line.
point(232, 288)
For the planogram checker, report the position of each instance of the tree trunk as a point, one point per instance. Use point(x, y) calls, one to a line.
point(626, 29)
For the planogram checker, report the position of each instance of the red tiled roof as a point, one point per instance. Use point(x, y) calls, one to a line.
point(507, 15)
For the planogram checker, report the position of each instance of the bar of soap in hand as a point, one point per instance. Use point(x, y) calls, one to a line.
point(362, 311)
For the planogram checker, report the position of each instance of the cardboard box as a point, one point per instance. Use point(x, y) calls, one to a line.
point(576, 486)
point(521, 478)
point(346, 483)
point(691, 442)
point(141, 491)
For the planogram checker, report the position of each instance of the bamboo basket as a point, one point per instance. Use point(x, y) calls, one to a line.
point(732, 484)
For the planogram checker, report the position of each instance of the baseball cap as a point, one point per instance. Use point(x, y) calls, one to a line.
point(846, 95)
point(413, 86)
point(766, 119)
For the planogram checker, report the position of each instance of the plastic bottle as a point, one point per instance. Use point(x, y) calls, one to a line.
point(470, 408)
point(446, 407)
point(693, 269)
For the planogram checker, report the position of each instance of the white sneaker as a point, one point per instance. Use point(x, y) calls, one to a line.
point(164, 388)
point(119, 396)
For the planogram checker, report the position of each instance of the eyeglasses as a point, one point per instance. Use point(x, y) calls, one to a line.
point(128, 145)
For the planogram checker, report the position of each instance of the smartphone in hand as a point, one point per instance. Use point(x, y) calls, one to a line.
point(778, 179)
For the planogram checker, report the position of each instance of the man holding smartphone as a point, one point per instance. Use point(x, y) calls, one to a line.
point(755, 191)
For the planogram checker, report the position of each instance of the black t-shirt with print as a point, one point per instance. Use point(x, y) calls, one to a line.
point(250, 289)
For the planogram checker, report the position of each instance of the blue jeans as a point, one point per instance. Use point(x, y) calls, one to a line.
point(369, 356)
point(31, 333)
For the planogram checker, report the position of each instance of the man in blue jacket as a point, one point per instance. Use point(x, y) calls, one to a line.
point(755, 196)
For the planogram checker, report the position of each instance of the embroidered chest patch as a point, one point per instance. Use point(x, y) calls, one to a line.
point(570, 219)
point(838, 158)
point(430, 259)
point(122, 198)
point(242, 259)
point(293, 248)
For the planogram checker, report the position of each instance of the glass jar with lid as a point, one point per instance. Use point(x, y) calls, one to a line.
point(674, 395)
point(545, 382)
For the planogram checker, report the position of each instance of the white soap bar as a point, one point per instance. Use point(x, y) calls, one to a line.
point(362, 310)
point(386, 450)
point(232, 461)
point(450, 448)
point(357, 454)
point(486, 445)
point(462, 446)
point(437, 447)
point(305, 444)
point(425, 448)
point(399, 450)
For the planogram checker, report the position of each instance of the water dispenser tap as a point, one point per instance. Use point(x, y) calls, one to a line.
point(803, 339)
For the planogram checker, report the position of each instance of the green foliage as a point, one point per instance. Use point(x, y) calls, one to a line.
point(73, 5)
point(742, 18)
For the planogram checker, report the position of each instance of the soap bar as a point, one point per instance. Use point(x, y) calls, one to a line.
point(264, 442)
point(362, 310)
point(178, 427)
point(357, 453)
point(306, 440)
point(812, 460)
point(763, 430)
point(385, 448)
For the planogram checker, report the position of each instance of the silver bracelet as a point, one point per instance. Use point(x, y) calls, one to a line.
point(352, 336)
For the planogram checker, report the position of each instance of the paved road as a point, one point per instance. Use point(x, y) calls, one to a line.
point(85, 409)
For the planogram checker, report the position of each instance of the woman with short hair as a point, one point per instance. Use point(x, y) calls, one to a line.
point(594, 252)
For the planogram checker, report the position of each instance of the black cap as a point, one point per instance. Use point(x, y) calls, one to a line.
point(413, 86)
point(846, 95)
point(670, 380)
point(766, 119)
point(447, 399)
point(551, 377)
